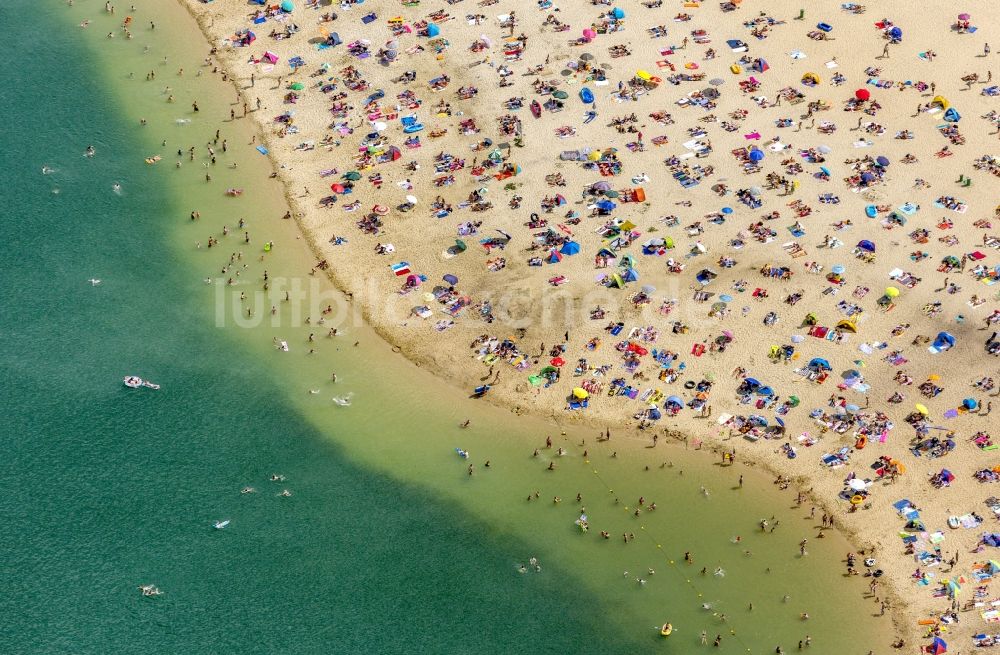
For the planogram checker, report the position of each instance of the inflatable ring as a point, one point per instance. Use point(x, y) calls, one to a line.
point(689, 384)
point(857, 499)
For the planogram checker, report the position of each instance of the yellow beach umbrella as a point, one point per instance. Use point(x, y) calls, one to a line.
point(892, 292)
point(644, 75)
point(580, 393)
point(920, 408)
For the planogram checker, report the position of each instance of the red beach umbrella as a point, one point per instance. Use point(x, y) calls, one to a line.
point(862, 94)
point(337, 187)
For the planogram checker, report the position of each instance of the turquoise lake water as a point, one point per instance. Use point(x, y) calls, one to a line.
point(106, 489)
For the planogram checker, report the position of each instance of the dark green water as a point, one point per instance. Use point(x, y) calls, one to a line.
point(105, 488)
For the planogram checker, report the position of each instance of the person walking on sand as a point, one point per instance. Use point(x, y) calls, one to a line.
point(885, 51)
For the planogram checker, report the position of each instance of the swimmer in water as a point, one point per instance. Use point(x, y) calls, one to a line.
point(719, 571)
point(48, 170)
point(704, 492)
point(117, 188)
point(89, 152)
point(247, 490)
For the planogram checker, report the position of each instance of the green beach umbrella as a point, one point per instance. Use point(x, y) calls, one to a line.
point(611, 193)
point(460, 245)
point(287, 6)
point(297, 86)
point(561, 95)
point(352, 175)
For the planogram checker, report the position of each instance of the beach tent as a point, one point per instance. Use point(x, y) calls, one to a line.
point(820, 364)
point(675, 401)
point(433, 30)
point(555, 257)
point(760, 65)
point(653, 414)
point(941, 102)
point(847, 326)
point(604, 252)
point(615, 280)
point(270, 57)
point(952, 116)
point(811, 77)
point(752, 383)
point(630, 275)
point(767, 392)
point(938, 646)
point(570, 248)
point(944, 341)
point(628, 261)
point(866, 245)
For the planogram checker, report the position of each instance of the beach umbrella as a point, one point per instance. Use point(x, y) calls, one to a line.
point(570, 248)
point(824, 149)
point(296, 86)
point(379, 126)
point(460, 245)
point(560, 95)
point(586, 57)
point(648, 288)
point(726, 298)
point(964, 16)
point(589, 34)
point(866, 245)
point(580, 392)
point(449, 278)
point(891, 292)
point(352, 175)
point(820, 363)
point(412, 200)
point(601, 186)
point(433, 30)
point(336, 187)
point(920, 408)
point(565, 72)
point(727, 210)
point(557, 361)
point(838, 269)
point(287, 6)
point(862, 94)
point(716, 81)
point(618, 13)
point(756, 191)
point(896, 33)
point(856, 484)
point(852, 408)
point(381, 210)
point(882, 161)
point(756, 154)
point(611, 194)
point(718, 306)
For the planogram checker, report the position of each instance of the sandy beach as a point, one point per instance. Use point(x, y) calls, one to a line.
point(760, 233)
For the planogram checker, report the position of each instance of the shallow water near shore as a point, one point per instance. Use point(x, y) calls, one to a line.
point(386, 544)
